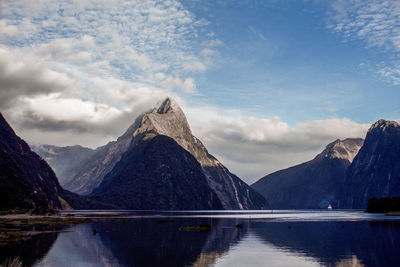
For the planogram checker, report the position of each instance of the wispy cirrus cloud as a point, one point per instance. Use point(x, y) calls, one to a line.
point(81, 71)
point(99, 57)
point(133, 36)
point(375, 22)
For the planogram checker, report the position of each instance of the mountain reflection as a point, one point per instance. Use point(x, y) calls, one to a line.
point(160, 242)
point(150, 243)
point(146, 242)
point(30, 250)
point(336, 243)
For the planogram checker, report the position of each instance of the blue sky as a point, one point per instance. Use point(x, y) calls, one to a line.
point(282, 59)
point(264, 84)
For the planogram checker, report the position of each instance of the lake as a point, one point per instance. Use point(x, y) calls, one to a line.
point(263, 238)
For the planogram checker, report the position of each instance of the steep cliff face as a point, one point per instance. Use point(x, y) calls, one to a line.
point(26, 181)
point(157, 174)
point(375, 171)
point(63, 160)
point(314, 184)
point(89, 173)
point(169, 120)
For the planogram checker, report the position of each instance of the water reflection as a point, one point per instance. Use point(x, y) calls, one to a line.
point(151, 242)
point(143, 242)
point(336, 243)
point(30, 250)
point(79, 247)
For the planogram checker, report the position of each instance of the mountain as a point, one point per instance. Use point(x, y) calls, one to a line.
point(158, 174)
point(63, 160)
point(314, 184)
point(89, 173)
point(375, 171)
point(168, 120)
point(26, 181)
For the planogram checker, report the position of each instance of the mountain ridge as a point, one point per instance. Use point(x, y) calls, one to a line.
point(375, 171)
point(157, 174)
point(166, 119)
point(316, 182)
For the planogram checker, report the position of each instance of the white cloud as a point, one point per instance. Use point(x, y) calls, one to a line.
point(189, 86)
point(7, 30)
point(111, 59)
point(56, 108)
point(214, 43)
point(136, 57)
point(207, 52)
point(376, 23)
point(253, 147)
point(81, 73)
point(390, 72)
point(67, 50)
point(194, 66)
point(27, 78)
point(172, 82)
point(127, 40)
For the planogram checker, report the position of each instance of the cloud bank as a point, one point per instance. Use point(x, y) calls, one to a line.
point(253, 147)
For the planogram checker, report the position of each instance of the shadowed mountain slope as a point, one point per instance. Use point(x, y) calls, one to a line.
point(167, 119)
point(375, 171)
point(315, 184)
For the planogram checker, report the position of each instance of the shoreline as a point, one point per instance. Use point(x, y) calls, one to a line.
point(15, 228)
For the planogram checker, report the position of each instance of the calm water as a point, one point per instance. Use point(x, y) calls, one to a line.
point(284, 238)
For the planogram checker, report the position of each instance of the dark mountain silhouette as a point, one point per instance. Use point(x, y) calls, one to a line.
point(157, 174)
point(26, 181)
point(375, 171)
point(314, 184)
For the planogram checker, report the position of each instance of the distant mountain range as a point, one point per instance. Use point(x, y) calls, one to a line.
point(345, 175)
point(156, 164)
point(63, 159)
point(168, 120)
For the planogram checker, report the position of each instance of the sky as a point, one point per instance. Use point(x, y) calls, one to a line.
point(264, 84)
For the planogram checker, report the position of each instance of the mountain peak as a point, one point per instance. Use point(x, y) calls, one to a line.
point(166, 119)
point(342, 149)
point(384, 124)
point(165, 106)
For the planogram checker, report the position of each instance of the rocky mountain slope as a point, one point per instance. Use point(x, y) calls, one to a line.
point(375, 171)
point(169, 120)
point(157, 174)
point(89, 173)
point(26, 181)
point(314, 184)
point(63, 160)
